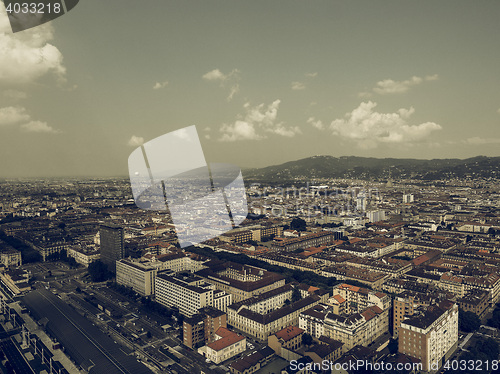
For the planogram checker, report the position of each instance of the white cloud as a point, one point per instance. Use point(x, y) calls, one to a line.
point(365, 94)
point(28, 55)
point(231, 79)
point(214, 75)
point(389, 86)
point(257, 122)
point(312, 75)
point(136, 141)
point(498, 111)
point(434, 77)
point(15, 94)
point(234, 90)
point(476, 140)
point(240, 130)
point(18, 116)
point(159, 85)
point(13, 116)
point(39, 127)
point(298, 86)
point(316, 123)
point(289, 132)
point(369, 128)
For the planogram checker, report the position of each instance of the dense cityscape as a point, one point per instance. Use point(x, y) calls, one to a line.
point(322, 276)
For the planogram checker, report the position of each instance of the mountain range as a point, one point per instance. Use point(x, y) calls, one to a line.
point(324, 167)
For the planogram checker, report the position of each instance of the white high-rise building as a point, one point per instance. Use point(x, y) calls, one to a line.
point(430, 336)
point(408, 198)
point(376, 215)
point(136, 276)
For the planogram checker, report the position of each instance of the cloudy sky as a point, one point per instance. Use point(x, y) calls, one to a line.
point(265, 82)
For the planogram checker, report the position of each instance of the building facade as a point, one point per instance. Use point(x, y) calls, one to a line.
point(200, 329)
point(112, 245)
point(140, 278)
point(430, 336)
point(185, 292)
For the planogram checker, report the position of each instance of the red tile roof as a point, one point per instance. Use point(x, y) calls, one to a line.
point(288, 333)
point(227, 339)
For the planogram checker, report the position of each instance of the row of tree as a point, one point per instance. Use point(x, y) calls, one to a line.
point(99, 272)
point(494, 321)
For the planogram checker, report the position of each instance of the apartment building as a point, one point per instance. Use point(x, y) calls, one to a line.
point(260, 326)
point(112, 245)
point(475, 301)
point(430, 335)
point(84, 256)
point(241, 281)
point(290, 262)
point(9, 257)
point(47, 248)
point(266, 231)
point(406, 303)
point(226, 345)
point(236, 237)
point(328, 350)
point(175, 261)
point(312, 320)
point(354, 329)
point(289, 338)
point(359, 298)
point(316, 239)
point(200, 329)
point(136, 276)
point(267, 301)
point(489, 283)
point(358, 328)
point(461, 284)
point(186, 292)
point(222, 300)
point(253, 362)
point(345, 272)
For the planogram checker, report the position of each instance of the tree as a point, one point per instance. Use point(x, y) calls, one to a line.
point(393, 346)
point(298, 224)
point(489, 347)
point(494, 321)
point(98, 271)
point(307, 339)
point(296, 295)
point(468, 321)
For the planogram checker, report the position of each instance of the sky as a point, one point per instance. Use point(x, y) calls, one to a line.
point(264, 82)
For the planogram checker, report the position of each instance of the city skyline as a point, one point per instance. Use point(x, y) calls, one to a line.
point(264, 83)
